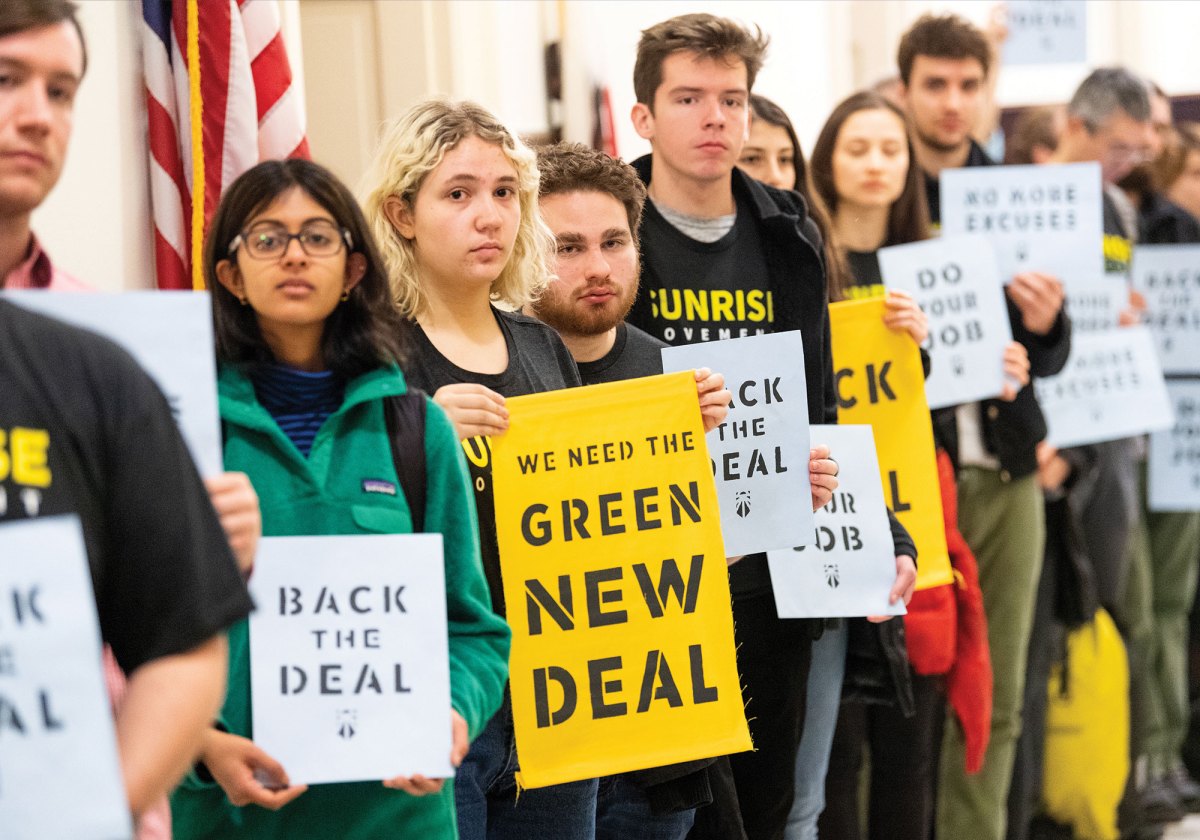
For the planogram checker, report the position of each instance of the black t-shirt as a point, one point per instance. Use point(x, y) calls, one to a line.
point(97, 440)
point(537, 361)
point(866, 279)
point(633, 354)
point(706, 291)
point(933, 186)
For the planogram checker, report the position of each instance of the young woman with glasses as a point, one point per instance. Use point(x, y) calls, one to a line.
point(308, 345)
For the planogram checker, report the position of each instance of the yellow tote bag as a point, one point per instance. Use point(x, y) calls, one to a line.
point(1087, 732)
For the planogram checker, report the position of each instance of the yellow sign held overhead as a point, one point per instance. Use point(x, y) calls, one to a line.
point(880, 382)
point(615, 579)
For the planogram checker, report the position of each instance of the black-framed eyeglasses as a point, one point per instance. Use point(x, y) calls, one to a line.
point(269, 241)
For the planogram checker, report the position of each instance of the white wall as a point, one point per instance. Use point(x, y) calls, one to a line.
point(96, 223)
point(803, 73)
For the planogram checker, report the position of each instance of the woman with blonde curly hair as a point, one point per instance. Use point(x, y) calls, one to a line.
point(451, 196)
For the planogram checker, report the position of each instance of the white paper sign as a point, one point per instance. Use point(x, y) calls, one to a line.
point(1045, 218)
point(1096, 304)
point(1174, 460)
point(1111, 388)
point(850, 566)
point(1045, 32)
point(1168, 276)
point(59, 772)
point(349, 659)
point(171, 336)
point(955, 281)
point(760, 452)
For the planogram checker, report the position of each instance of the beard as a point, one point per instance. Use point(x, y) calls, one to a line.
point(938, 145)
point(573, 317)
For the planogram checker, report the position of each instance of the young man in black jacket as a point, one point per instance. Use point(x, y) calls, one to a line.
point(944, 64)
point(724, 256)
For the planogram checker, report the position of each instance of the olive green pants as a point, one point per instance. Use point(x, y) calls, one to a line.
point(1005, 525)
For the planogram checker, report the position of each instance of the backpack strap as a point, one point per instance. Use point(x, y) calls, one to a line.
point(405, 417)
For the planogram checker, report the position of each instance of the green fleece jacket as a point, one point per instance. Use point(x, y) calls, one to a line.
point(323, 494)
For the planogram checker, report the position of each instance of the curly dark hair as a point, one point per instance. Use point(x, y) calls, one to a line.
point(573, 167)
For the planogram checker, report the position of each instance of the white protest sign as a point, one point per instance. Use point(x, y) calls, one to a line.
point(1174, 460)
point(849, 568)
point(760, 452)
point(170, 335)
point(349, 660)
point(1045, 32)
point(1168, 276)
point(1046, 218)
point(1096, 303)
point(59, 772)
point(1111, 388)
point(955, 281)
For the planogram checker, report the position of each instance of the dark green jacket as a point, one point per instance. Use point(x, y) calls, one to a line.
point(323, 494)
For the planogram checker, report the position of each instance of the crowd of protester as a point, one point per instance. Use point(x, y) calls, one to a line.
point(476, 269)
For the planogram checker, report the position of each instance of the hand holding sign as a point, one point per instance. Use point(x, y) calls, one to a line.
point(903, 588)
point(714, 398)
point(246, 773)
point(1039, 297)
point(233, 498)
point(419, 785)
point(902, 313)
point(823, 474)
point(473, 409)
point(1016, 370)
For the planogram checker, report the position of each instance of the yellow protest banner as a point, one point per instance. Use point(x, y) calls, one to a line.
point(615, 579)
point(880, 382)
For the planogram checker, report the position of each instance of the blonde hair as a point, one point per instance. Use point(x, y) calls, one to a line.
point(411, 147)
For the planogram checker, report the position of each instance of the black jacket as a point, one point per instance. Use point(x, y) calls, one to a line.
point(1162, 222)
point(796, 264)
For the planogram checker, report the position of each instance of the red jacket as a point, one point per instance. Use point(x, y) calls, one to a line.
point(947, 631)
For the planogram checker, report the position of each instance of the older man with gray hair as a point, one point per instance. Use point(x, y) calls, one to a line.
point(1109, 122)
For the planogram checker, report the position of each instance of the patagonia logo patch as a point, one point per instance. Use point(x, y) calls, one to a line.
point(377, 485)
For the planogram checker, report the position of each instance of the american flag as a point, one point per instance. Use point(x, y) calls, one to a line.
point(240, 108)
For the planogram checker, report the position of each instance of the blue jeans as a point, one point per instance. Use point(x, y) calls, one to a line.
point(486, 800)
point(623, 813)
point(812, 759)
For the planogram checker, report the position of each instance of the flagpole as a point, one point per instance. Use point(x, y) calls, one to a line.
point(196, 105)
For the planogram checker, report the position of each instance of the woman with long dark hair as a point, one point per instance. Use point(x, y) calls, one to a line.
point(773, 155)
point(864, 170)
point(308, 346)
